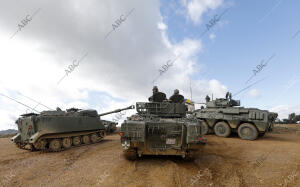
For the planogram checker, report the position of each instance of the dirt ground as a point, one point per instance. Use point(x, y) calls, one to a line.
point(273, 160)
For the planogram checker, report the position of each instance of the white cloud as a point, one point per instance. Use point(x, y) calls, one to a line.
point(284, 110)
point(196, 8)
point(212, 36)
point(119, 70)
point(162, 26)
point(254, 93)
point(178, 75)
point(7, 119)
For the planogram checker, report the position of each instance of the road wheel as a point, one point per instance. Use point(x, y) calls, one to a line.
point(222, 129)
point(102, 134)
point(247, 131)
point(86, 139)
point(55, 145)
point(94, 138)
point(76, 141)
point(67, 143)
point(40, 145)
point(204, 128)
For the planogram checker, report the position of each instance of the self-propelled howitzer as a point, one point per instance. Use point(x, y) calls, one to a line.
point(59, 130)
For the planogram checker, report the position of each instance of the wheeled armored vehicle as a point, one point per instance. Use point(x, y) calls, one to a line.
point(59, 130)
point(224, 115)
point(161, 128)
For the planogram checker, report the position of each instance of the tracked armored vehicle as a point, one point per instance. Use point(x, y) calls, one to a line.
point(224, 116)
point(161, 128)
point(59, 130)
point(110, 126)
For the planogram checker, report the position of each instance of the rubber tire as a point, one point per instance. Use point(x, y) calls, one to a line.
point(67, 143)
point(253, 131)
point(55, 145)
point(86, 139)
point(94, 138)
point(204, 128)
point(226, 130)
point(76, 141)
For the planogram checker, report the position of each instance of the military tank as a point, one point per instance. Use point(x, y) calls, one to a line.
point(224, 115)
point(161, 128)
point(59, 130)
point(110, 126)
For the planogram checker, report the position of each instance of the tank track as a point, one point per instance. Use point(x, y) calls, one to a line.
point(24, 146)
point(48, 147)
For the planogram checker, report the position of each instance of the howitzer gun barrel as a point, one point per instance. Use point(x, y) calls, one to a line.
point(116, 111)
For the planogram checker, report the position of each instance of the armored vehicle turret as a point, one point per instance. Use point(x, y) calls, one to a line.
point(59, 130)
point(223, 116)
point(161, 128)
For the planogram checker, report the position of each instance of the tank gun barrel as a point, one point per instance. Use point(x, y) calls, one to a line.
point(116, 111)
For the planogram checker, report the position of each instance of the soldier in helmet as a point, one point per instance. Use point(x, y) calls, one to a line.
point(154, 91)
point(157, 96)
point(176, 97)
point(207, 98)
point(228, 96)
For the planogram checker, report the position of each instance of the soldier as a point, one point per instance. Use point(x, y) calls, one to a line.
point(154, 91)
point(207, 98)
point(176, 97)
point(157, 96)
point(228, 96)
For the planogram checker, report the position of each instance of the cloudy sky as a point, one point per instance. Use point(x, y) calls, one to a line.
point(119, 48)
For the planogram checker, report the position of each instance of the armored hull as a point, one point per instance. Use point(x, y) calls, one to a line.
point(59, 130)
point(223, 116)
point(161, 129)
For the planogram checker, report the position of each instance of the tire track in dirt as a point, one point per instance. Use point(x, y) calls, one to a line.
point(222, 162)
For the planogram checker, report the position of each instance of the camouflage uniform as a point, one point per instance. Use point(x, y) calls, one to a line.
point(157, 96)
point(176, 97)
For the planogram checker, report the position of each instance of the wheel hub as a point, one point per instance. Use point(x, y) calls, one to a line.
point(221, 129)
point(55, 145)
point(246, 132)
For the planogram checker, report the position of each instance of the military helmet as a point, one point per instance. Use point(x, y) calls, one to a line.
point(176, 91)
point(155, 89)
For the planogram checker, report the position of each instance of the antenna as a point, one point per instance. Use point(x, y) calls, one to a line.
point(248, 86)
point(39, 103)
point(191, 89)
point(19, 102)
